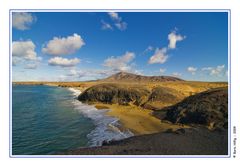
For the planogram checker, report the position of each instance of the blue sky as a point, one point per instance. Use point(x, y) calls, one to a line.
point(78, 46)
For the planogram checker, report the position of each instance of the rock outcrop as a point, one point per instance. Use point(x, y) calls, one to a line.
point(208, 108)
point(124, 94)
point(115, 94)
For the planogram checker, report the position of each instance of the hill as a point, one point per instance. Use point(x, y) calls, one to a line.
point(208, 108)
point(129, 77)
point(130, 94)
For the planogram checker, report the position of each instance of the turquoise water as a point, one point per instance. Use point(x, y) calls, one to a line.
point(44, 121)
point(49, 120)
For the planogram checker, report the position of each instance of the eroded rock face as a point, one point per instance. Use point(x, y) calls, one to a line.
point(161, 97)
point(123, 94)
point(208, 108)
point(115, 94)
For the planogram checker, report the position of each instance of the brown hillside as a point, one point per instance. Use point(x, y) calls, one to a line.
point(124, 94)
point(209, 108)
point(129, 77)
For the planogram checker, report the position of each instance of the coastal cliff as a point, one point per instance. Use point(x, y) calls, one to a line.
point(130, 94)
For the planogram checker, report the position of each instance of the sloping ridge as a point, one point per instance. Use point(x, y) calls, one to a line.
point(124, 76)
point(208, 108)
point(192, 141)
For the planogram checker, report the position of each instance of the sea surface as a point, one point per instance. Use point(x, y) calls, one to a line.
point(49, 120)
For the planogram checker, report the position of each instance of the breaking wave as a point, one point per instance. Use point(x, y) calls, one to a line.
point(107, 127)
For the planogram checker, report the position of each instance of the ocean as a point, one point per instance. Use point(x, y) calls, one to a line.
point(48, 120)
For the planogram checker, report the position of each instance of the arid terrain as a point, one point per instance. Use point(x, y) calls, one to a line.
point(169, 116)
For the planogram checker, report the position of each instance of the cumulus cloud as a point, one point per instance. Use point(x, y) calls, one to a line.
point(75, 74)
point(63, 62)
point(114, 16)
point(63, 46)
point(16, 60)
point(176, 74)
point(192, 70)
point(173, 39)
point(95, 74)
point(24, 49)
point(162, 70)
point(22, 20)
point(207, 68)
point(214, 71)
point(217, 70)
point(121, 25)
point(160, 56)
point(31, 66)
point(62, 78)
point(120, 63)
point(147, 50)
point(106, 26)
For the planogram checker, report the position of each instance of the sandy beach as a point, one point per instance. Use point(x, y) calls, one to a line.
point(138, 120)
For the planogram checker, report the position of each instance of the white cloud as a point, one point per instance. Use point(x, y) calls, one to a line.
point(106, 26)
point(73, 72)
point(31, 66)
point(207, 68)
point(63, 46)
point(16, 60)
point(176, 74)
point(24, 49)
point(148, 49)
point(89, 73)
point(115, 16)
point(120, 63)
point(160, 56)
point(226, 73)
point(215, 71)
point(192, 70)
point(121, 25)
point(63, 62)
point(173, 39)
point(22, 20)
point(92, 74)
point(62, 78)
point(162, 70)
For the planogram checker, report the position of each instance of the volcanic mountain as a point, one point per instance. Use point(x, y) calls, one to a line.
point(129, 77)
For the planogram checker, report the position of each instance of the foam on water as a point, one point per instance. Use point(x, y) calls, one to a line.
point(106, 126)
